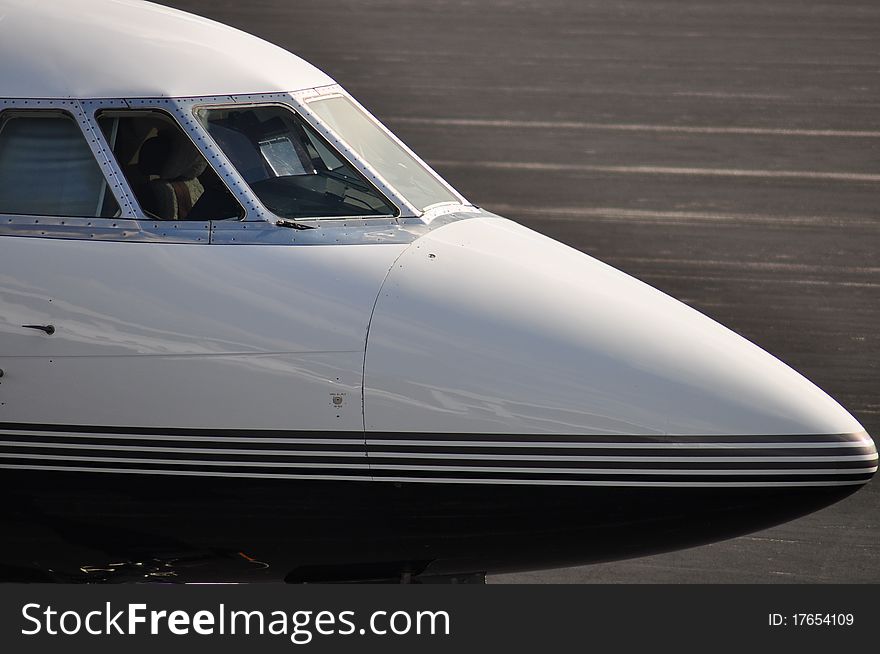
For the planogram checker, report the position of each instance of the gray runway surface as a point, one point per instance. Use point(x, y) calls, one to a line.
point(727, 153)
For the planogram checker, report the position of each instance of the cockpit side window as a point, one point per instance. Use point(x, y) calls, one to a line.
point(48, 169)
point(293, 171)
point(167, 173)
point(363, 134)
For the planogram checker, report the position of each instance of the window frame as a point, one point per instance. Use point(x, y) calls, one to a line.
point(95, 114)
point(129, 226)
point(345, 154)
point(258, 226)
point(71, 109)
point(335, 90)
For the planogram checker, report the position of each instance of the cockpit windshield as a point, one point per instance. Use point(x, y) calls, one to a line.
point(289, 166)
point(399, 168)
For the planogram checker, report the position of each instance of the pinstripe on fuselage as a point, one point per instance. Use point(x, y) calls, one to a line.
point(520, 459)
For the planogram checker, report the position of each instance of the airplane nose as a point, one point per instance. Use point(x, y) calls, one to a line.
point(539, 364)
point(602, 418)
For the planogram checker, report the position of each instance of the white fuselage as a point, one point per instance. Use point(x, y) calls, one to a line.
point(242, 325)
point(480, 329)
point(182, 335)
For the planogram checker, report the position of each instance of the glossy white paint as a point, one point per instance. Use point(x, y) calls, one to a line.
point(478, 326)
point(486, 326)
point(128, 48)
point(157, 334)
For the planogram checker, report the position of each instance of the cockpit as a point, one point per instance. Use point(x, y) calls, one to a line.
point(292, 170)
point(305, 156)
point(168, 175)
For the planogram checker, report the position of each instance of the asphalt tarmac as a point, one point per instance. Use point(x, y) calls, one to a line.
point(727, 153)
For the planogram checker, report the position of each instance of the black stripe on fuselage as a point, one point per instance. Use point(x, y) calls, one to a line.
point(136, 443)
point(176, 431)
point(365, 473)
point(491, 458)
point(24, 450)
point(616, 476)
point(190, 467)
point(335, 447)
point(374, 436)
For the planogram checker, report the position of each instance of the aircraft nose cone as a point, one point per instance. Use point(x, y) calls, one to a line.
point(606, 418)
point(487, 326)
point(558, 368)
